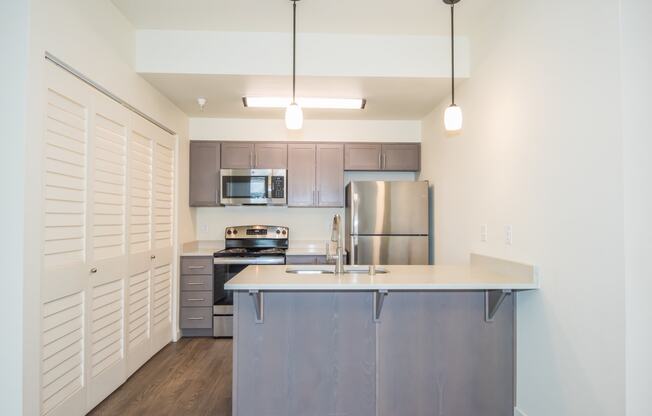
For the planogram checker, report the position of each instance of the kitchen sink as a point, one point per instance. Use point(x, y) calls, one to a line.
point(331, 270)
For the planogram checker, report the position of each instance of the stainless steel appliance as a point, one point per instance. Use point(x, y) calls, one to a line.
point(253, 187)
point(387, 222)
point(244, 246)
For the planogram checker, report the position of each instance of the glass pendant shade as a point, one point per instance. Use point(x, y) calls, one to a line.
point(294, 117)
point(453, 118)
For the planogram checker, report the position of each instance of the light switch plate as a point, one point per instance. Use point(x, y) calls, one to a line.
point(508, 235)
point(483, 233)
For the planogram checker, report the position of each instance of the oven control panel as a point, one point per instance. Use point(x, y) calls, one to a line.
point(257, 231)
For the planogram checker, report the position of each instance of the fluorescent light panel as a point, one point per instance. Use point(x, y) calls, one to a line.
point(283, 102)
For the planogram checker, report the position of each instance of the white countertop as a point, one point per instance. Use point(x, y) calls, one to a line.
point(423, 278)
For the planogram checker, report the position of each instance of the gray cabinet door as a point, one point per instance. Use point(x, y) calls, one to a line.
point(237, 155)
point(362, 156)
point(271, 156)
point(330, 175)
point(301, 175)
point(402, 157)
point(204, 174)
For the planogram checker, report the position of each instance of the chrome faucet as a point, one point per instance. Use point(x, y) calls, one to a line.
point(336, 237)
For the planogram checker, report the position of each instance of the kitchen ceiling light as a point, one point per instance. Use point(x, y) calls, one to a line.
point(294, 114)
point(323, 103)
point(453, 115)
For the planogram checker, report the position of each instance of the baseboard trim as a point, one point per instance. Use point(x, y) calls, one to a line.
point(518, 412)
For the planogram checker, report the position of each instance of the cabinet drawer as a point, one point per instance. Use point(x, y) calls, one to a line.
point(196, 283)
point(197, 265)
point(197, 298)
point(196, 318)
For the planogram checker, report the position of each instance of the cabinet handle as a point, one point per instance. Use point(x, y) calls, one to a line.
point(255, 159)
point(200, 318)
point(195, 284)
point(196, 300)
point(217, 197)
point(153, 256)
point(94, 270)
point(196, 267)
point(318, 198)
point(384, 161)
point(380, 160)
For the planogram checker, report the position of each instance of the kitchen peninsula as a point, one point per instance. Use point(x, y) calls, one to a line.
point(415, 340)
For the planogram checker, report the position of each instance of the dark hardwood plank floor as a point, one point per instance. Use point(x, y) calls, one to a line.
point(190, 377)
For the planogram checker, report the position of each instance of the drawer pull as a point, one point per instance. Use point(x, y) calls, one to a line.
point(196, 284)
point(200, 318)
point(196, 300)
point(196, 267)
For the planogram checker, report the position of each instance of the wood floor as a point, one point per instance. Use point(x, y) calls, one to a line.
point(190, 377)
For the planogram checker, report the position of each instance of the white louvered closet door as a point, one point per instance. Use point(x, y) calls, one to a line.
point(140, 242)
point(107, 242)
point(163, 232)
point(65, 268)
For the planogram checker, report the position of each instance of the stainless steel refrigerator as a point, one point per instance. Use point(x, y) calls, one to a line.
point(387, 222)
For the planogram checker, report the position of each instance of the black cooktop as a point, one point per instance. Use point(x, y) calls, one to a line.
point(250, 252)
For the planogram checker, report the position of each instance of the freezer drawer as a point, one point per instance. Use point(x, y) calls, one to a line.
point(388, 250)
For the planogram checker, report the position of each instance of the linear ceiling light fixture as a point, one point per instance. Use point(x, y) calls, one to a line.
point(294, 114)
point(323, 103)
point(453, 114)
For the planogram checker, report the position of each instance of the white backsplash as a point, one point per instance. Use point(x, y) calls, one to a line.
point(305, 223)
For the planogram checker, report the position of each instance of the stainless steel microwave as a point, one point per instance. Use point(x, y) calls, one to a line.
point(253, 186)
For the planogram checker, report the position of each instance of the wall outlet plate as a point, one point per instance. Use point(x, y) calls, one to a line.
point(483, 233)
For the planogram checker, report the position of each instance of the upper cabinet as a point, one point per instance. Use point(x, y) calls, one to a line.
point(204, 174)
point(241, 155)
point(271, 156)
point(402, 157)
point(362, 156)
point(315, 175)
point(237, 155)
point(387, 157)
point(330, 175)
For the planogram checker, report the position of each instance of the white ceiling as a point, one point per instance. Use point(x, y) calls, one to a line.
point(387, 98)
point(418, 17)
point(397, 98)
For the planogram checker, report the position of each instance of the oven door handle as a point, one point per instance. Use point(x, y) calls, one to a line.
point(249, 260)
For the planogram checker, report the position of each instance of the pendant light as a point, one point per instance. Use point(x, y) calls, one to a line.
point(453, 114)
point(293, 113)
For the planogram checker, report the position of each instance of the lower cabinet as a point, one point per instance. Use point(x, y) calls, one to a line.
point(310, 259)
point(196, 296)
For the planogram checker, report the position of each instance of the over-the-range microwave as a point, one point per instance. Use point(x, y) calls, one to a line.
point(253, 187)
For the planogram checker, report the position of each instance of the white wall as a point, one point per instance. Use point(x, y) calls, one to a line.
point(94, 38)
point(321, 130)
point(636, 58)
point(14, 33)
point(305, 223)
point(541, 150)
point(322, 54)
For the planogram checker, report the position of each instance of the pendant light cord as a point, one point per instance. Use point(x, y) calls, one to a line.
point(452, 55)
point(294, 50)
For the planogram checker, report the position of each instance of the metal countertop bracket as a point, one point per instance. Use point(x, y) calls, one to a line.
point(492, 301)
point(379, 298)
point(258, 300)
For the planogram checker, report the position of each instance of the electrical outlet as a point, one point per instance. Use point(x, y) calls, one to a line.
point(483, 233)
point(508, 235)
point(204, 228)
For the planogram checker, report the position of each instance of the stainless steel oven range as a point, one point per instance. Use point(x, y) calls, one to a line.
point(244, 246)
